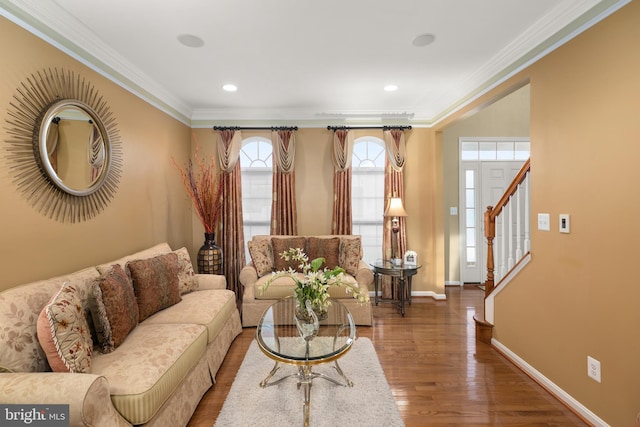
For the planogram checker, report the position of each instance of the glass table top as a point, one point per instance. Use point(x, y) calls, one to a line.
point(388, 265)
point(278, 337)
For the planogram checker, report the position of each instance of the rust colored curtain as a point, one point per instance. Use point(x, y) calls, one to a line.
point(283, 206)
point(228, 144)
point(96, 152)
point(393, 187)
point(342, 221)
point(53, 137)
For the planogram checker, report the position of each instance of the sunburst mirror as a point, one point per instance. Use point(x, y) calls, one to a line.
point(63, 146)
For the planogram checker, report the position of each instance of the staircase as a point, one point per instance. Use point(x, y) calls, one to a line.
point(507, 230)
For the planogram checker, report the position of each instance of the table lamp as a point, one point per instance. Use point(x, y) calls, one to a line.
point(395, 210)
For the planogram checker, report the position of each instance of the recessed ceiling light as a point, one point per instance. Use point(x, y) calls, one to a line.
point(190, 40)
point(229, 87)
point(391, 88)
point(423, 40)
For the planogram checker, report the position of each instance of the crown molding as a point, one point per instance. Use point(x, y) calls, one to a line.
point(49, 22)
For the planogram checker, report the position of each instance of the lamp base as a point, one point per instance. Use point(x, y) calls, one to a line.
point(396, 261)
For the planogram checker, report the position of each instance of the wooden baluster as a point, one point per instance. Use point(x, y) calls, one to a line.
point(489, 233)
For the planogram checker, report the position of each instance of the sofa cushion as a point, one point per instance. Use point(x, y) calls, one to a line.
point(114, 309)
point(210, 308)
point(282, 244)
point(63, 332)
point(283, 287)
point(155, 283)
point(350, 253)
point(279, 288)
point(261, 255)
point(327, 248)
point(20, 307)
point(187, 280)
point(148, 367)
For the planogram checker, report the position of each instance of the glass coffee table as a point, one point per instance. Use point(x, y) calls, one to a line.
point(278, 337)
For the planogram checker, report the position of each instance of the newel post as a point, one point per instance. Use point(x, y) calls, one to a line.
point(490, 234)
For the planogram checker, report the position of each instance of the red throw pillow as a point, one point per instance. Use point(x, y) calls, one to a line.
point(155, 283)
point(114, 309)
point(327, 248)
point(282, 244)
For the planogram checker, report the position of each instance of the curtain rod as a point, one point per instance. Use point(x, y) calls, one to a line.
point(368, 127)
point(255, 128)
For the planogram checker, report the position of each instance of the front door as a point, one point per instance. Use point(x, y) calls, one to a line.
point(485, 183)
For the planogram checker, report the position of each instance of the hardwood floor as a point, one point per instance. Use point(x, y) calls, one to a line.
point(438, 373)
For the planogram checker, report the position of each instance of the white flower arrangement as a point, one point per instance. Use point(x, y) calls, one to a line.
point(314, 286)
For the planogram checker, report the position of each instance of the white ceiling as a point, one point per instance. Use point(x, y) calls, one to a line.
point(308, 62)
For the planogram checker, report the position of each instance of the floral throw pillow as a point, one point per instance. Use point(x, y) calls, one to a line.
point(113, 306)
point(261, 256)
point(187, 279)
point(350, 254)
point(63, 332)
point(155, 283)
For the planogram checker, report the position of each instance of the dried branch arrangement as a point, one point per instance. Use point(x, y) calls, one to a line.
point(205, 189)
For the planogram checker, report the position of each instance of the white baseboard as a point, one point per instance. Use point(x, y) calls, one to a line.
point(453, 283)
point(439, 297)
point(578, 407)
point(429, 294)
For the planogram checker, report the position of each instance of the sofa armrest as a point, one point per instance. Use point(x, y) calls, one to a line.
point(364, 276)
point(86, 394)
point(248, 275)
point(211, 281)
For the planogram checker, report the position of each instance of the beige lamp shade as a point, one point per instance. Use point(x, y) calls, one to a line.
point(395, 208)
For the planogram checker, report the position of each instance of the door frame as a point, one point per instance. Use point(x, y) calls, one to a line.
point(476, 165)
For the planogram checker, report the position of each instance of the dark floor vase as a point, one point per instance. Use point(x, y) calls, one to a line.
point(210, 256)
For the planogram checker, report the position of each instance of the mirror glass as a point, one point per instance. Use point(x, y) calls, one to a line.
point(73, 147)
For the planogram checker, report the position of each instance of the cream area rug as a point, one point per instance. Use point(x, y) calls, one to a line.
point(368, 403)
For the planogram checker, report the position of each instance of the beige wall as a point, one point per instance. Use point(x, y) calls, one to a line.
point(507, 117)
point(314, 193)
point(579, 294)
point(149, 207)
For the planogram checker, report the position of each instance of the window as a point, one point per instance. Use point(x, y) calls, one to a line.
point(256, 164)
point(489, 149)
point(367, 194)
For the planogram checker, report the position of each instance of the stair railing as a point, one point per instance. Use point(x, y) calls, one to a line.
point(510, 218)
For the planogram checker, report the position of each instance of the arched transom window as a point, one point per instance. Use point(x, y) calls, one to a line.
point(367, 194)
point(256, 164)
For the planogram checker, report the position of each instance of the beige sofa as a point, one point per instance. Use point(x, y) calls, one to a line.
point(345, 251)
point(155, 376)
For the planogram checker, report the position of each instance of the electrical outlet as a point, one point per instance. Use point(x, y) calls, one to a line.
point(593, 369)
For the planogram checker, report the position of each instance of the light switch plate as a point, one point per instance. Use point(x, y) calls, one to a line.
point(544, 222)
point(453, 210)
point(564, 223)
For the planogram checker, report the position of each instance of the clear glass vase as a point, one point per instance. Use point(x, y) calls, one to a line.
point(306, 320)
